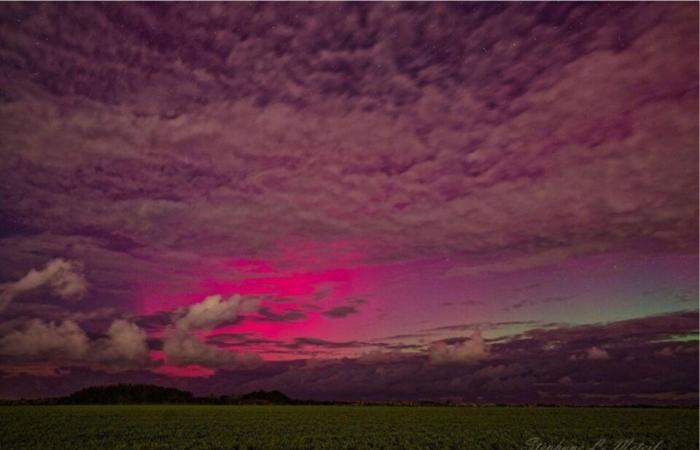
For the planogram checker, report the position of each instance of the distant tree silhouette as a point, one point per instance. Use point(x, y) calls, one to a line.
point(128, 394)
point(271, 397)
point(152, 394)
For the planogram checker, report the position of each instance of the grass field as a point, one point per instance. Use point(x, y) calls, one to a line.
point(338, 427)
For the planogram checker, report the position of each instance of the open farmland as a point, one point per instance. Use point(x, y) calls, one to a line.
point(338, 427)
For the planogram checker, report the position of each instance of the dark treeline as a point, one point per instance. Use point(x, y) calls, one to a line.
point(127, 393)
point(130, 394)
point(151, 394)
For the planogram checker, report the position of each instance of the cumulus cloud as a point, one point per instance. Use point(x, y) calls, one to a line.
point(516, 371)
point(125, 344)
point(184, 349)
point(469, 351)
point(66, 342)
point(213, 311)
point(48, 340)
point(64, 278)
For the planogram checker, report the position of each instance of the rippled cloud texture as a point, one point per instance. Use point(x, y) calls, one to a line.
point(468, 201)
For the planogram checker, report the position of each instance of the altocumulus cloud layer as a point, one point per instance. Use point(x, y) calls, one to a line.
point(144, 124)
point(518, 167)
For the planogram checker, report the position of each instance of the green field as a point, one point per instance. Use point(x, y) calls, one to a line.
point(337, 427)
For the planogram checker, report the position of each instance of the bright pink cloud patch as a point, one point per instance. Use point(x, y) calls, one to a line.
point(352, 302)
point(286, 285)
point(308, 273)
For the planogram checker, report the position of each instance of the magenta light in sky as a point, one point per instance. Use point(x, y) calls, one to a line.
point(487, 202)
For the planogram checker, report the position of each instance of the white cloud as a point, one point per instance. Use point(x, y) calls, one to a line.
point(213, 311)
point(64, 278)
point(182, 348)
point(124, 346)
point(47, 340)
point(470, 351)
point(597, 353)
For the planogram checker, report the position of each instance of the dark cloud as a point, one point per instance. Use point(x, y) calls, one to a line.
point(285, 316)
point(481, 325)
point(315, 342)
point(619, 362)
point(539, 301)
point(340, 312)
point(652, 328)
point(156, 321)
point(243, 340)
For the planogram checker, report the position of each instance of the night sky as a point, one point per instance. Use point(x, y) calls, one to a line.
point(401, 201)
